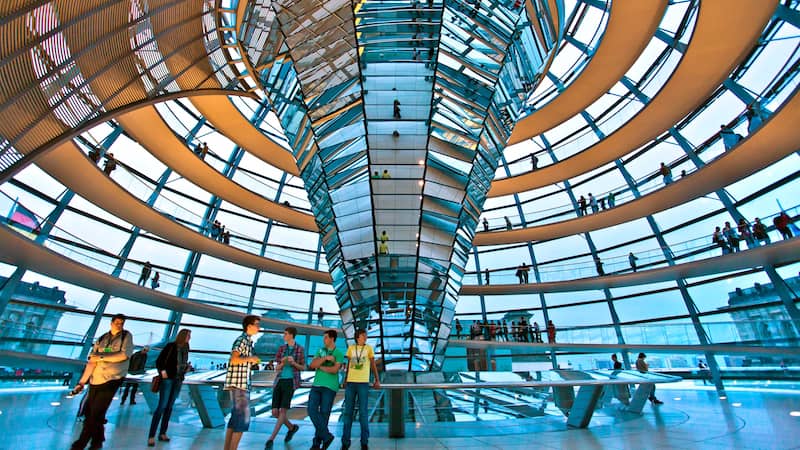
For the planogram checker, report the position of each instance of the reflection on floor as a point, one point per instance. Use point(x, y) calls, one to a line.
point(690, 418)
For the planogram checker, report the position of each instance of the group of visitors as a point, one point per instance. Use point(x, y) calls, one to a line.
point(596, 205)
point(290, 360)
point(112, 358)
point(384, 175)
point(729, 237)
point(500, 330)
point(219, 233)
point(147, 269)
point(110, 361)
point(110, 163)
point(522, 273)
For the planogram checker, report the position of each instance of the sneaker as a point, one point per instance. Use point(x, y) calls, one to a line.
point(291, 433)
point(326, 442)
point(268, 445)
point(657, 402)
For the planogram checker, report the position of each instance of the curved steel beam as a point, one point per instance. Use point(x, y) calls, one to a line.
point(42, 260)
point(775, 140)
point(774, 254)
point(630, 28)
point(149, 129)
point(724, 33)
point(73, 169)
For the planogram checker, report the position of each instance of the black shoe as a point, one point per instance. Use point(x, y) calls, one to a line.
point(268, 445)
point(291, 433)
point(326, 443)
point(657, 401)
point(133, 402)
point(364, 447)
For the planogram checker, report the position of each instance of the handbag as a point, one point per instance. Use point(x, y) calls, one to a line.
point(155, 385)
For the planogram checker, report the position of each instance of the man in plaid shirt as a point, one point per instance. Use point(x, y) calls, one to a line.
point(291, 359)
point(237, 382)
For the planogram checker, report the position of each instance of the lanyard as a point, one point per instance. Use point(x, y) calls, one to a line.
point(359, 354)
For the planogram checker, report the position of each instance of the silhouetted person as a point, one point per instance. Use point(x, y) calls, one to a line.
point(719, 239)
point(396, 111)
point(760, 231)
point(666, 173)
point(745, 232)
point(643, 367)
point(136, 367)
point(110, 164)
point(632, 260)
point(551, 332)
point(781, 223)
point(154, 284)
point(599, 265)
point(508, 223)
point(94, 154)
point(147, 268)
point(582, 205)
point(485, 224)
point(616, 364)
point(593, 203)
point(731, 236)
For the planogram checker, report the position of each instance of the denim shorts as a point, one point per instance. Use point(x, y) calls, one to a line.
point(240, 412)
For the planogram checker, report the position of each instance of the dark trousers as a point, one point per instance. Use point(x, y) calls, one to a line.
point(320, 403)
point(132, 387)
point(97, 403)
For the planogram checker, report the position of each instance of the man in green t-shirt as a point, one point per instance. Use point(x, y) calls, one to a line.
point(327, 362)
point(360, 362)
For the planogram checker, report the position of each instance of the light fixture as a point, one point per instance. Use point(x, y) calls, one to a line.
point(736, 404)
point(723, 397)
point(677, 399)
point(791, 413)
point(55, 403)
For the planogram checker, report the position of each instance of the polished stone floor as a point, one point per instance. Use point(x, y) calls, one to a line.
point(691, 418)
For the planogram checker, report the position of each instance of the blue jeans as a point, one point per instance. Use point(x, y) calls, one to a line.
point(167, 393)
point(320, 403)
point(351, 391)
